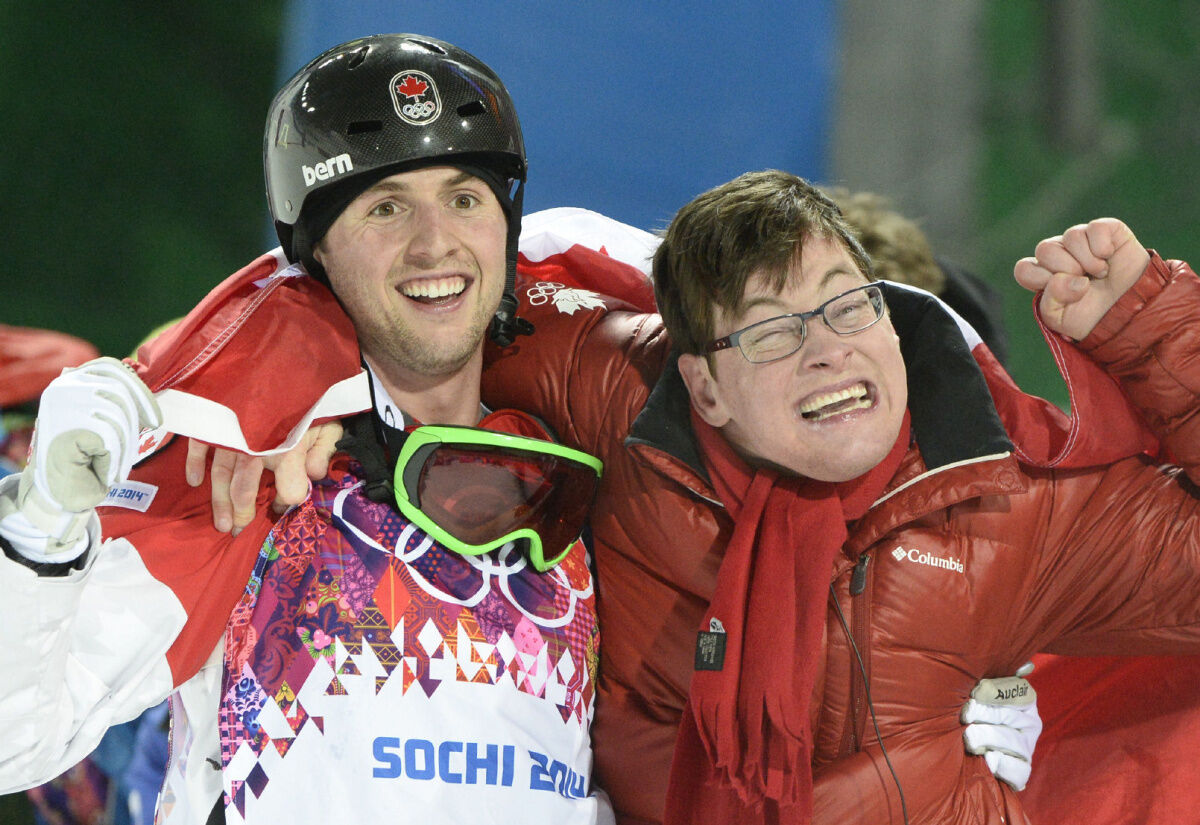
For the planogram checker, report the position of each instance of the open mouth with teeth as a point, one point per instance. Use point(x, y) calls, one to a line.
point(820, 407)
point(434, 290)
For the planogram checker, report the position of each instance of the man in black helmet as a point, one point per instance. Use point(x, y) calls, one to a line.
point(375, 107)
point(417, 639)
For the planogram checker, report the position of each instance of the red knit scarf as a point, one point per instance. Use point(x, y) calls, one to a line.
point(752, 715)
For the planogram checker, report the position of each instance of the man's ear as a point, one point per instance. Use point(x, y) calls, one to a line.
point(702, 387)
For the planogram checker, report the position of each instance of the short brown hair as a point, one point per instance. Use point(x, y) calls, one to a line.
point(755, 222)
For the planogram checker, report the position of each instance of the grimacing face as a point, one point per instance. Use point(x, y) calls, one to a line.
point(418, 261)
point(830, 411)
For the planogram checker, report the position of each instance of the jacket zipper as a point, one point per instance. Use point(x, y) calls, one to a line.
point(170, 764)
point(852, 733)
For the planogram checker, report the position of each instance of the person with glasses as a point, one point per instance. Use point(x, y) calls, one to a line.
point(417, 639)
point(826, 515)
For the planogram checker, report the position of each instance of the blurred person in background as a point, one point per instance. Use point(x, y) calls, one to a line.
point(29, 359)
point(900, 251)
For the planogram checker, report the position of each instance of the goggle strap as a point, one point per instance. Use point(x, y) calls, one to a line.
point(363, 441)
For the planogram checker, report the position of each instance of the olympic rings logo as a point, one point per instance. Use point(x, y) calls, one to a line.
point(542, 292)
point(419, 111)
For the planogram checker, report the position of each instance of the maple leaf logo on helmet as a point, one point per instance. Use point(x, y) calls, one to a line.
point(410, 87)
point(415, 97)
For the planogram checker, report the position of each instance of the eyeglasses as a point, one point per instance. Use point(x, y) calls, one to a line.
point(778, 337)
point(474, 490)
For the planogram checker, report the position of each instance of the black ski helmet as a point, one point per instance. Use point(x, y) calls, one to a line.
point(372, 107)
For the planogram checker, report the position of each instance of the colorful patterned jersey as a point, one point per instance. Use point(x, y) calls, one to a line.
point(368, 670)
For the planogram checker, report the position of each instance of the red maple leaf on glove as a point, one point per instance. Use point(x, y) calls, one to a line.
point(412, 87)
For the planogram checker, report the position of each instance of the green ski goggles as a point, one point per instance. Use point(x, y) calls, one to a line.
point(474, 490)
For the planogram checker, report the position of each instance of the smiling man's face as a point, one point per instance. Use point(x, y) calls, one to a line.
point(418, 262)
point(830, 411)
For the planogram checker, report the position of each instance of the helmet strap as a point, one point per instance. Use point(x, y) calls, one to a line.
point(506, 326)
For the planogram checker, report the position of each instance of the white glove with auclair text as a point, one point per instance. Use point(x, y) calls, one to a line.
point(84, 443)
point(1003, 725)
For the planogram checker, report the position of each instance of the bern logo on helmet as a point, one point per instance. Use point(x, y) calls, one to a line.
point(416, 98)
point(327, 169)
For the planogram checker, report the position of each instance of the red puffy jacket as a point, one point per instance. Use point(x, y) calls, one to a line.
point(1004, 534)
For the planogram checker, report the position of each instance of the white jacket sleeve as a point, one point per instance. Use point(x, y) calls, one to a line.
point(82, 652)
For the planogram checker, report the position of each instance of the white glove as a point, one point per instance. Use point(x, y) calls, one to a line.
point(1003, 725)
point(84, 443)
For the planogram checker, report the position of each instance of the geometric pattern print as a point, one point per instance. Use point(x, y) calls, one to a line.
point(347, 595)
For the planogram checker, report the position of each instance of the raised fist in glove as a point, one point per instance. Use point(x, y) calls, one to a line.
point(84, 443)
point(1003, 725)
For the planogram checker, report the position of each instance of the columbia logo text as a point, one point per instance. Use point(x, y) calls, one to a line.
point(918, 557)
point(327, 169)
